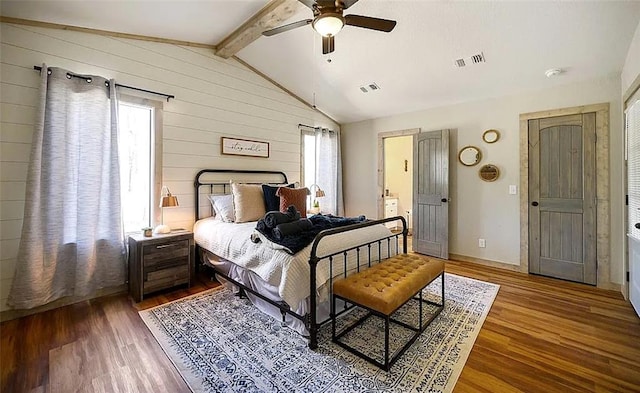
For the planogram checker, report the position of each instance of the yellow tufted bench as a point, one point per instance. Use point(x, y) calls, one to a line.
point(383, 289)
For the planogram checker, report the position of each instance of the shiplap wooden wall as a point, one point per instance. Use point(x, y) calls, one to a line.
point(214, 98)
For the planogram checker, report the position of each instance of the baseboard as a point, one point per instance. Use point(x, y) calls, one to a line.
point(485, 262)
point(624, 288)
point(609, 286)
point(8, 315)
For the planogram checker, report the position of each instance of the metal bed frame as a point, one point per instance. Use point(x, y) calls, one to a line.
point(310, 318)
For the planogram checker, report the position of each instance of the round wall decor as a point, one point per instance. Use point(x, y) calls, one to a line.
point(489, 172)
point(491, 136)
point(469, 155)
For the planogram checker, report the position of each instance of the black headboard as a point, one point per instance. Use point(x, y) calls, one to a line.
point(218, 181)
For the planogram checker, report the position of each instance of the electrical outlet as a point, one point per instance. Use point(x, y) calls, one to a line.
point(482, 243)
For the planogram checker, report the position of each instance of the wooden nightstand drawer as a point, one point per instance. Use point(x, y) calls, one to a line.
point(157, 253)
point(166, 278)
point(160, 262)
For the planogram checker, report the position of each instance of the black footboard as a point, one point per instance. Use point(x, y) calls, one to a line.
point(217, 181)
point(365, 248)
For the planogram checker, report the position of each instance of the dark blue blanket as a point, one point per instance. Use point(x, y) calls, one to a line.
point(296, 242)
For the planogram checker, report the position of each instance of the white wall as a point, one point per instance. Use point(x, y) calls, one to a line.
point(631, 68)
point(214, 98)
point(396, 179)
point(479, 209)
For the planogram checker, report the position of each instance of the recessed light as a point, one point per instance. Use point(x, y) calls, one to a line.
point(553, 72)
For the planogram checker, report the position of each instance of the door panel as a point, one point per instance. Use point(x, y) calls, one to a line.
point(562, 211)
point(430, 188)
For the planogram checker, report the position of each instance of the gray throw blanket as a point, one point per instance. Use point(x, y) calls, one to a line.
point(273, 219)
point(299, 238)
point(291, 228)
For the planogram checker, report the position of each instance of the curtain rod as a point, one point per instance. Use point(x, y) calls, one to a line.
point(38, 68)
point(304, 125)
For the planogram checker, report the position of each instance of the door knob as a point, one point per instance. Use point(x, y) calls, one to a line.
point(443, 200)
point(534, 203)
point(637, 225)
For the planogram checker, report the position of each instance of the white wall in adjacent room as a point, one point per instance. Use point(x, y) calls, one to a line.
point(398, 181)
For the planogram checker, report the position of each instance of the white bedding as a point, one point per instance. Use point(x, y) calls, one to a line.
point(289, 273)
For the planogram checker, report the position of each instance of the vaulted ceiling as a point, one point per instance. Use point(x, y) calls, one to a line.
point(414, 65)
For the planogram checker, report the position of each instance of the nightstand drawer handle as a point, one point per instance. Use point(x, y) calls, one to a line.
point(167, 245)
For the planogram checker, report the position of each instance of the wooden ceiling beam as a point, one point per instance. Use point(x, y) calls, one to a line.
point(272, 15)
point(48, 25)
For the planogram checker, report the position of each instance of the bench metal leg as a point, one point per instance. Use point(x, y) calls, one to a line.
point(388, 360)
point(386, 343)
point(332, 315)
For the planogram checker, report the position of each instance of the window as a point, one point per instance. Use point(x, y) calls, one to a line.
point(140, 162)
point(633, 166)
point(308, 161)
point(320, 165)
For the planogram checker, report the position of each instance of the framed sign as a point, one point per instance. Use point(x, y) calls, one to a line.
point(244, 147)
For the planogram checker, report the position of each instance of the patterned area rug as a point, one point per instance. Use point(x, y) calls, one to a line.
point(221, 343)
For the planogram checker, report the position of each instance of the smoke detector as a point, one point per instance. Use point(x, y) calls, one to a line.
point(553, 72)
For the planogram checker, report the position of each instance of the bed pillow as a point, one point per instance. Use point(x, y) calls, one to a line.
point(223, 207)
point(248, 202)
point(271, 200)
point(293, 196)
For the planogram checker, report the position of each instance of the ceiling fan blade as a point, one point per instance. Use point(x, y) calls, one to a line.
point(328, 45)
point(308, 3)
point(348, 3)
point(368, 22)
point(288, 27)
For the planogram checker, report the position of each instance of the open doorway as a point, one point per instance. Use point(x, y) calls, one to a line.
point(395, 180)
point(398, 177)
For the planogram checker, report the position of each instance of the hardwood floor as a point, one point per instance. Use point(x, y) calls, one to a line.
point(542, 335)
point(100, 345)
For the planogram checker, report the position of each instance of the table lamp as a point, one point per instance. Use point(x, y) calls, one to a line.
point(315, 207)
point(167, 200)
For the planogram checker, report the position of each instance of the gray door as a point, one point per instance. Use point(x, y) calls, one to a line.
point(431, 193)
point(562, 197)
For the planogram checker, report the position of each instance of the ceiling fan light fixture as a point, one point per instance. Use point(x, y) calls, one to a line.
point(328, 24)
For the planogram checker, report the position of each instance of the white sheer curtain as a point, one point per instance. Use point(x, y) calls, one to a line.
point(72, 242)
point(329, 170)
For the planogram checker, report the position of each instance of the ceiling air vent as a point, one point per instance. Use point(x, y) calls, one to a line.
point(473, 59)
point(479, 58)
point(371, 86)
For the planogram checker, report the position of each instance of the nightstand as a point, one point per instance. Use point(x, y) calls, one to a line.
point(160, 262)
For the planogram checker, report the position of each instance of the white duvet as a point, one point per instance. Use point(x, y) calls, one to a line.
point(289, 273)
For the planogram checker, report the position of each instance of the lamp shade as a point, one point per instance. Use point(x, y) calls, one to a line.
point(165, 201)
point(169, 201)
point(328, 25)
point(319, 192)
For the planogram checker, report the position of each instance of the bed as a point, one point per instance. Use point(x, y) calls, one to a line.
point(294, 287)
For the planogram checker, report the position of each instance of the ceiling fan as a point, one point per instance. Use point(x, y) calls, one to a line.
point(328, 21)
